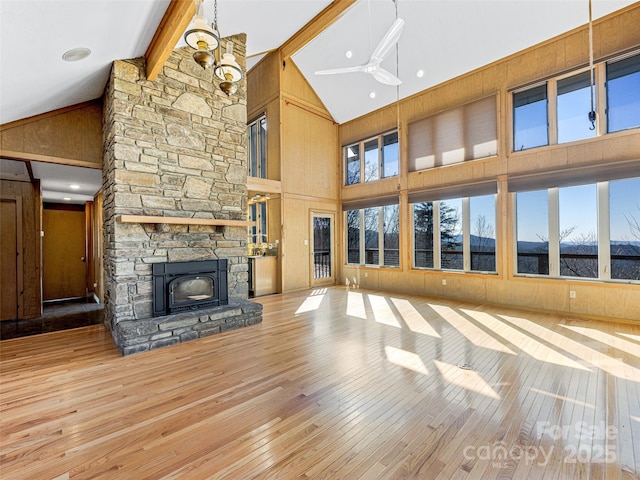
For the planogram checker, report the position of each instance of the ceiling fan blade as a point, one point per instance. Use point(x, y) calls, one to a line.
point(383, 76)
point(389, 40)
point(333, 71)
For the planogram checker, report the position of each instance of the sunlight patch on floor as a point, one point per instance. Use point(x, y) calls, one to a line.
point(630, 335)
point(523, 341)
point(405, 359)
point(563, 398)
point(474, 334)
point(469, 379)
point(611, 340)
point(382, 311)
point(312, 302)
point(614, 366)
point(355, 305)
point(413, 318)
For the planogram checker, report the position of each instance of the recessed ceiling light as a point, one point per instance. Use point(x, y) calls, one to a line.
point(76, 54)
point(74, 187)
point(372, 95)
point(420, 73)
point(67, 198)
point(348, 54)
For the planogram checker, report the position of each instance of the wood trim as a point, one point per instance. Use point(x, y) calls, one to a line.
point(175, 21)
point(315, 27)
point(307, 107)
point(182, 221)
point(264, 185)
point(25, 156)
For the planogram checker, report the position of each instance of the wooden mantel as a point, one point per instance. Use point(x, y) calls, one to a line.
point(182, 220)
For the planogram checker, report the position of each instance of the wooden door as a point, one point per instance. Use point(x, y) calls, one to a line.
point(64, 266)
point(10, 257)
point(322, 235)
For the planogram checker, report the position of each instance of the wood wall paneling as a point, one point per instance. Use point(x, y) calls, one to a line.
point(72, 135)
point(30, 257)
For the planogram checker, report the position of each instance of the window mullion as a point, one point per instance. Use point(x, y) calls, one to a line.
point(437, 264)
point(604, 233)
point(466, 235)
point(380, 236)
point(601, 98)
point(554, 232)
point(552, 111)
point(362, 235)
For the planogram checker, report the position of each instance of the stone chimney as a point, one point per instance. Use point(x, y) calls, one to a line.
point(173, 147)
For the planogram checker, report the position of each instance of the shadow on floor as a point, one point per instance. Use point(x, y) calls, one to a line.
point(55, 316)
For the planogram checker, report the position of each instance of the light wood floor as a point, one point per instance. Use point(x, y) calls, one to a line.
point(333, 384)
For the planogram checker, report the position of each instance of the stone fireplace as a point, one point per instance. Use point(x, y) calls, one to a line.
point(174, 148)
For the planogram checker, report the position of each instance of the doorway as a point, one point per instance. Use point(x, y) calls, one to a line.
point(64, 253)
point(322, 257)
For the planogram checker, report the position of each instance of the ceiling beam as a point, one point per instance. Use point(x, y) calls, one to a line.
point(315, 27)
point(175, 21)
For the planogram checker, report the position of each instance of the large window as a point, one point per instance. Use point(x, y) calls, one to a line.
point(373, 236)
point(559, 110)
point(379, 159)
point(585, 231)
point(455, 234)
point(257, 132)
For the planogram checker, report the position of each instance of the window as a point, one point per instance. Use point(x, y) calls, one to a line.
point(578, 231)
point(353, 236)
point(373, 236)
point(258, 233)
point(573, 107)
point(423, 228)
point(257, 132)
point(624, 217)
point(623, 94)
point(455, 234)
point(532, 225)
point(482, 214)
point(565, 102)
point(352, 162)
point(391, 235)
point(530, 118)
point(464, 133)
point(585, 231)
point(451, 234)
point(378, 160)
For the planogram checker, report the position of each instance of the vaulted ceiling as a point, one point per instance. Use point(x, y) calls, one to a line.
point(441, 38)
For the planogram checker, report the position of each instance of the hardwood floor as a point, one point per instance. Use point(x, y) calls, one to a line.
point(335, 383)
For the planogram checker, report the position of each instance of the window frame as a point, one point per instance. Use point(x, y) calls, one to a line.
point(261, 148)
point(603, 224)
point(380, 164)
point(465, 226)
point(601, 103)
point(362, 237)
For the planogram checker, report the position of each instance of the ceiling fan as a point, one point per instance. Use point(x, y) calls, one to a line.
point(373, 67)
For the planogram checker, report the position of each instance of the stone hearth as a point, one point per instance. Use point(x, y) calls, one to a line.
point(173, 147)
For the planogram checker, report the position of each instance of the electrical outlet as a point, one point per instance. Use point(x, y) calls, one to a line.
point(366, 274)
point(572, 294)
point(444, 281)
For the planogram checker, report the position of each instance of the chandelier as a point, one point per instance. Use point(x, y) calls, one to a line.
point(205, 39)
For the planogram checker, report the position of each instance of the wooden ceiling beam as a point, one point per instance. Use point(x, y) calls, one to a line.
point(315, 27)
point(175, 21)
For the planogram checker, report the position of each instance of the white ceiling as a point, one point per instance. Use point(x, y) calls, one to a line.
point(445, 38)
